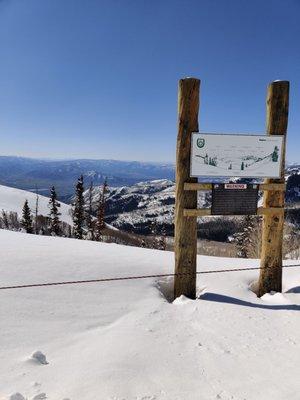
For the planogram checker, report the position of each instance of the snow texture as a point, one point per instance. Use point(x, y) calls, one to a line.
point(124, 341)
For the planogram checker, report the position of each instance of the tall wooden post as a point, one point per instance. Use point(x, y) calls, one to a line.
point(185, 228)
point(272, 230)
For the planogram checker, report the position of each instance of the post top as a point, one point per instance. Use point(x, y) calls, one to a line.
point(279, 81)
point(190, 78)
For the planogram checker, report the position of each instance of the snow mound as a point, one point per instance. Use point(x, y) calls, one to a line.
point(182, 300)
point(16, 396)
point(40, 396)
point(275, 298)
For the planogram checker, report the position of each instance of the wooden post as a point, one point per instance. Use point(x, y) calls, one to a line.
point(272, 230)
point(185, 228)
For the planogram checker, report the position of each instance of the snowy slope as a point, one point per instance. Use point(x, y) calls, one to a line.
point(12, 199)
point(123, 341)
point(134, 208)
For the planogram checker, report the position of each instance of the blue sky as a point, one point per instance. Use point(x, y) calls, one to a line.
point(98, 79)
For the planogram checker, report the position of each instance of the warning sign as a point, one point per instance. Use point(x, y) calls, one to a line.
point(234, 199)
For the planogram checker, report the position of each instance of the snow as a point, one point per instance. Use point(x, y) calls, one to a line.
point(12, 199)
point(124, 341)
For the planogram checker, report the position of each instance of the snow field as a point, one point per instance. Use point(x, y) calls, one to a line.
point(124, 341)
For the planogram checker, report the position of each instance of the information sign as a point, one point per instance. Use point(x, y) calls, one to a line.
point(249, 156)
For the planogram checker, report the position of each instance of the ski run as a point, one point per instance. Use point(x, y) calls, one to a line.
point(126, 340)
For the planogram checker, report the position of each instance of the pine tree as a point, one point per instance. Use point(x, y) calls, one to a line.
point(275, 154)
point(26, 220)
point(154, 232)
point(163, 240)
point(89, 214)
point(54, 213)
point(100, 223)
point(78, 210)
point(36, 211)
point(5, 222)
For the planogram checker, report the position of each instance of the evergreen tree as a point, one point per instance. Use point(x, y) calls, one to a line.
point(26, 220)
point(54, 213)
point(275, 154)
point(5, 222)
point(36, 211)
point(89, 214)
point(162, 244)
point(100, 223)
point(158, 242)
point(78, 210)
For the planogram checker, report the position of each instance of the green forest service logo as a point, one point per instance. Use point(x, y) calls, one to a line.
point(200, 143)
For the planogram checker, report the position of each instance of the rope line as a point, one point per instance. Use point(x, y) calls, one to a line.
point(137, 277)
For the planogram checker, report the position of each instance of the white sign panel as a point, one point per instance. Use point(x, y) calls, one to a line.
point(248, 156)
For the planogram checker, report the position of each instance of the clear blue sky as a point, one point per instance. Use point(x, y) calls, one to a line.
point(98, 79)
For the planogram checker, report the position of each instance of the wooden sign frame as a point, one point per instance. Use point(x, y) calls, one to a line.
point(186, 211)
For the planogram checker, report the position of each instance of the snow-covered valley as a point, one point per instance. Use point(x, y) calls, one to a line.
point(124, 341)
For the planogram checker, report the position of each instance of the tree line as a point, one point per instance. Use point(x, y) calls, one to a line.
point(86, 223)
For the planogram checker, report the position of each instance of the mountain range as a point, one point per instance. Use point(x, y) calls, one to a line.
point(38, 174)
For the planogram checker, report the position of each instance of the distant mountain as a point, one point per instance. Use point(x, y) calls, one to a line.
point(28, 173)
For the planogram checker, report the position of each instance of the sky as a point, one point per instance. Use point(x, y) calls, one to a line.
point(98, 79)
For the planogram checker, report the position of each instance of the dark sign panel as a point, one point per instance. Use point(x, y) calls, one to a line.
point(234, 199)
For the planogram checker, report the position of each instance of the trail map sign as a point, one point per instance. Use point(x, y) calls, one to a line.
point(234, 199)
point(249, 156)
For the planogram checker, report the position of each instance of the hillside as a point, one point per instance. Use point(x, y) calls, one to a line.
point(136, 208)
point(12, 199)
point(124, 341)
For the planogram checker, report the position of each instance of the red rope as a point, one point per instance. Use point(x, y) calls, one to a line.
point(137, 277)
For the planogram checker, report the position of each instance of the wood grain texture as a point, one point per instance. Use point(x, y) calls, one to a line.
point(197, 212)
point(197, 186)
point(185, 228)
point(272, 186)
point(208, 186)
point(202, 212)
point(272, 229)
